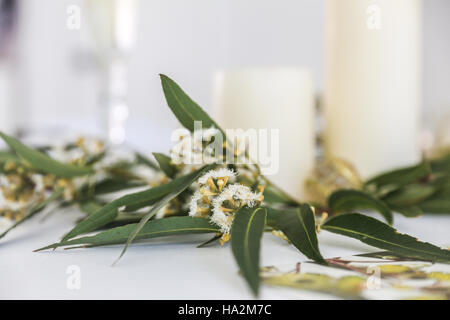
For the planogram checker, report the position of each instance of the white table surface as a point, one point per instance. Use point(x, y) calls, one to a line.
point(161, 270)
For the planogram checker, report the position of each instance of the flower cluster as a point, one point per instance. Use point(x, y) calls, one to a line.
point(106, 161)
point(219, 200)
point(21, 189)
point(193, 150)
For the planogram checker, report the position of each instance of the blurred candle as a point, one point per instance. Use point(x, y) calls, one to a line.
point(272, 98)
point(372, 87)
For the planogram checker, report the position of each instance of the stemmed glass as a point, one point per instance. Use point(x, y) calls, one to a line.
point(113, 26)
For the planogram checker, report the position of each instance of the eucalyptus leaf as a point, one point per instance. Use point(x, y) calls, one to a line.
point(346, 200)
point(436, 205)
point(142, 159)
point(91, 206)
point(409, 212)
point(152, 229)
point(35, 209)
point(401, 176)
point(182, 184)
point(6, 156)
point(409, 195)
point(208, 242)
point(378, 234)
point(246, 232)
point(165, 165)
point(299, 226)
point(110, 211)
point(111, 185)
point(184, 108)
point(274, 195)
point(44, 163)
point(441, 165)
point(442, 185)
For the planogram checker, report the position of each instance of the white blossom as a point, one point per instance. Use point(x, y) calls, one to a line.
point(215, 174)
point(193, 204)
point(161, 212)
point(233, 192)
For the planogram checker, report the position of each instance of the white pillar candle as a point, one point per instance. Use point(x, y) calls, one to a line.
point(272, 98)
point(372, 88)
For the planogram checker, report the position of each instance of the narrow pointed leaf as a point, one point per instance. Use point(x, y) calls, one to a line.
point(409, 195)
point(378, 234)
point(43, 162)
point(274, 195)
point(183, 107)
point(401, 176)
point(441, 165)
point(299, 226)
point(183, 183)
point(213, 239)
point(34, 210)
point(344, 201)
point(436, 205)
point(165, 165)
point(109, 212)
point(91, 206)
point(142, 159)
point(8, 156)
point(246, 232)
point(152, 229)
point(410, 212)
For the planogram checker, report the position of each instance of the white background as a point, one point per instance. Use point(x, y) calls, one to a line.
point(189, 40)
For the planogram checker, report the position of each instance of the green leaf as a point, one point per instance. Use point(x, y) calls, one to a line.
point(401, 176)
point(35, 209)
point(246, 232)
point(182, 184)
point(409, 212)
point(274, 195)
point(142, 159)
point(378, 234)
point(109, 212)
point(43, 162)
point(6, 156)
point(165, 165)
point(442, 185)
point(213, 239)
point(184, 108)
point(348, 200)
point(111, 185)
point(299, 226)
point(91, 206)
point(152, 229)
point(409, 195)
point(436, 205)
point(441, 165)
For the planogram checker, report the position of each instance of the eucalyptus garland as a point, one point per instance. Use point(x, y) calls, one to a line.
point(233, 202)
